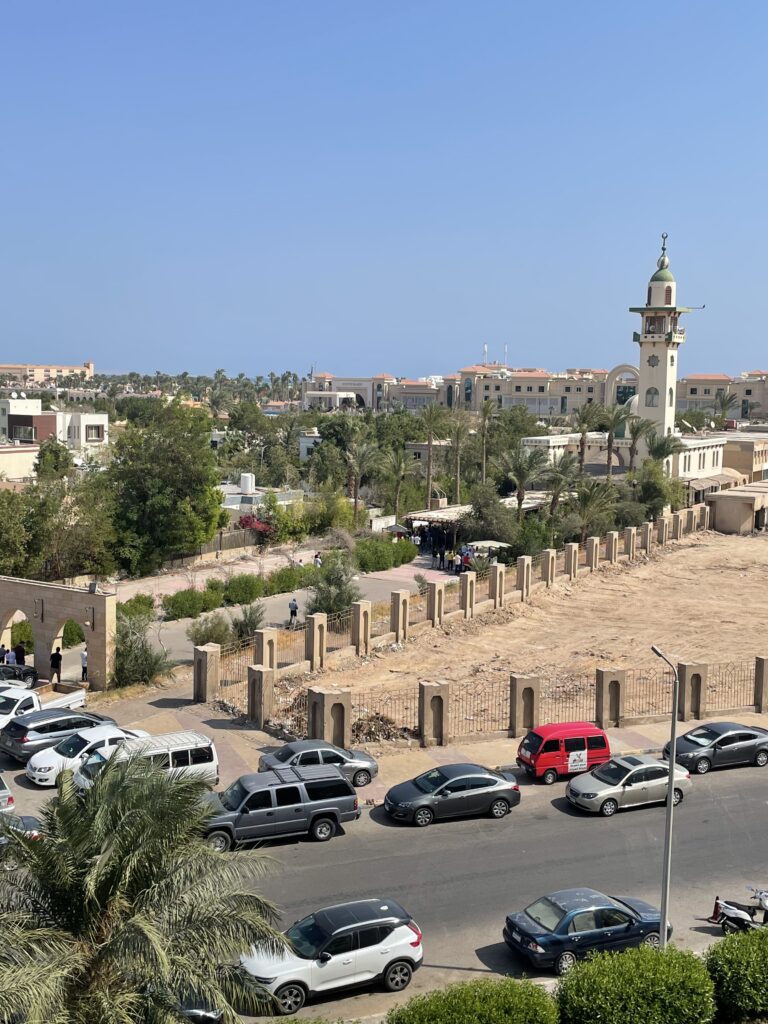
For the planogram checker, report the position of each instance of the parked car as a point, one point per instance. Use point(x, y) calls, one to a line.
point(16, 701)
point(19, 675)
point(453, 791)
point(551, 752)
point(283, 802)
point(566, 926)
point(626, 782)
point(355, 765)
point(186, 753)
point(24, 823)
point(341, 947)
point(721, 745)
point(43, 768)
point(6, 796)
point(38, 730)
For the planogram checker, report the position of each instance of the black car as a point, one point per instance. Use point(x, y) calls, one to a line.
point(24, 675)
point(559, 929)
point(453, 791)
point(721, 745)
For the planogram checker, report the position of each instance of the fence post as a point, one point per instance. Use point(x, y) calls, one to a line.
point(329, 715)
point(467, 582)
point(571, 561)
point(705, 517)
point(317, 629)
point(261, 694)
point(630, 543)
point(548, 566)
point(663, 531)
point(434, 702)
point(690, 520)
point(496, 584)
point(361, 627)
point(523, 703)
point(266, 647)
point(692, 702)
point(646, 537)
point(435, 602)
point(524, 576)
point(593, 553)
point(677, 525)
point(206, 672)
point(612, 546)
point(609, 696)
point(399, 602)
point(761, 685)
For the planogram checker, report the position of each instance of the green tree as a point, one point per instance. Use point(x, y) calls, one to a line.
point(119, 913)
point(584, 419)
point(432, 421)
point(164, 477)
point(592, 505)
point(458, 433)
point(54, 460)
point(559, 478)
point(335, 591)
point(638, 430)
point(13, 534)
point(326, 465)
point(522, 466)
point(397, 467)
point(363, 459)
point(725, 403)
point(612, 419)
point(663, 446)
point(136, 659)
point(488, 413)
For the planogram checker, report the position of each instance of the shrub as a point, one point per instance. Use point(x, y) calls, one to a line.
point(643, 985)
point(374, 554)
point(288, 578)
point(210, 629)
point(212, 599)
point(73, 634)
point(184, 604)
point(215, 584)
point(738, 966)
point(243, 588)
point(136, 660)
point(404, 551)
point(479, 1002)
point(334, 589)
point(21, 633)
point(144, 603)
point(250, 619)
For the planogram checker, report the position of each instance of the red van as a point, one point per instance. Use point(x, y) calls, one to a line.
point(549, 752)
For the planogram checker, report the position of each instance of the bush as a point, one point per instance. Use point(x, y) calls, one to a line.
point(72, 635)
point(479, 1002)
point(212, 599)
point(250, 619)
point(136, 660)
point(215, 584)
point(404, 551)
point(374, 554)
point(210, 629)
point(290, 578)
point(738, 966)
point(243, 588)
point(184, 604)
point(21, 633)
point(643, 985)
point(142, 603)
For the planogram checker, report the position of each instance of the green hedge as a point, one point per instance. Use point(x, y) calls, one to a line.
point(243, 588)
point(139, 604)
point(738, 966)
point(184, 604)
point(641, 986)
point(375, 554)
point(480, 1002)
point(73, 634)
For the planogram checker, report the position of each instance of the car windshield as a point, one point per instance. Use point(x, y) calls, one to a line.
point(532, 742)
point(7, 704)
point(71, 746)
point(611, 772)
point(430, 781)
point(546, 913)
point(93, 766)
point(307, 938)
point(703, 737)
point(285, 754)
point(233, 796)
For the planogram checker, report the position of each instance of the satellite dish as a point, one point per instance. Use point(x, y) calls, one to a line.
point(22, 394)
point(14, 395)
point(687, 424)
point(712, 424)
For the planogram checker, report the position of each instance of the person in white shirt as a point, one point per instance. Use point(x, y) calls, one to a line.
point(84, 665)
point(10, 658)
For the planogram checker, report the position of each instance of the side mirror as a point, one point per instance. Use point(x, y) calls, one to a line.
point(324, 958)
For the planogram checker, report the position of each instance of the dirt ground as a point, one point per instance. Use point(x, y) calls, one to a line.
point(704, 599)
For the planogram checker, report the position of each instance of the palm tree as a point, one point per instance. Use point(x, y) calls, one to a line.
point(724, 404)
point(120, 912)
point(432, 421)
point(638, 430)
point(584, 419)
point(458, 431)
point(522, 466)
point(397, 467)
point(594, 500)
point(559, 477)
point(363, 459)
point(664, 446)
point(612, 419)
point(487, 414)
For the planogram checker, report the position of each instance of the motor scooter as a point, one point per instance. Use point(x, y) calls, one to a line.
point(740, 917)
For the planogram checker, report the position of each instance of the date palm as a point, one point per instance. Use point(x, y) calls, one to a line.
point(522, 466)
point(458, 432)
point(363, 460)
point(559, 477)
point(119, 913)
point(488, 412)
point(594, 501)
point(664, 446)
point(432, 419)
point(397, 466)
point(638, 430)
point(584, 419)
point(612, 419)
point(725, 403)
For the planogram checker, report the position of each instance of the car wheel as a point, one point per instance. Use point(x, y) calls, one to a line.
point(761, 758)
point(322, 830)
point(398, 976)
point(549, 777)
point(608, 808)
point(362, 778)
point(565, 962)
point(677, 797)
point(423, 817)
point(703, 765)
point(652, 939)
point(219, 842)
point(290, 999)
point(499, 809)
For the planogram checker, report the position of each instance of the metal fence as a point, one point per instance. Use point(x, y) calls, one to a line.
point(568, 698)
point(385, 714)
point(451, 602)
point(339, 632)
point(648, 692)
point(582, 556)
point(483, 587)
point(380, 618)
point(233, 673)
point(475, 709)
point(510, 578)
point(730, 684)
point(292, 646)
point(291, 708)
point(536, 568)
point(417, 608)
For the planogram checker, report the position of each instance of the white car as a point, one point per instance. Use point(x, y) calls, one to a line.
point(341, 947)
point(6, 797)
point(43, 768)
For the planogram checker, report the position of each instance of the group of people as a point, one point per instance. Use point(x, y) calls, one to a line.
point(18, 656)
point(13, 655)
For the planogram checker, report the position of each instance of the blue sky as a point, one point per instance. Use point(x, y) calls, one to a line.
point(377, 186)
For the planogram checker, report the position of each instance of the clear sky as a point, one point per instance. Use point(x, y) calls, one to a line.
point(378, 185)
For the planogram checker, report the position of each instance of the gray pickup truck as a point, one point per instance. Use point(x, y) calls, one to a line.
point(284, 802)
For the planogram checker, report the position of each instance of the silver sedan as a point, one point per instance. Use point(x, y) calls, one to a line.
point(356, 765)
point(626, 782)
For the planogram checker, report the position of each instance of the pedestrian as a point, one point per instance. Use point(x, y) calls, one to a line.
point(442, 556)
point(457, 563)
point(293, 608)
point(318, 560)
point(10, 656)
point(466, 562)
point(21, 653)
point(56, 665)
point(3, 653)
point(84, 665)
point(434, 558)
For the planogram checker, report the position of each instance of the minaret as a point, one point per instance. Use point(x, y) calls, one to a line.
point(659, 340)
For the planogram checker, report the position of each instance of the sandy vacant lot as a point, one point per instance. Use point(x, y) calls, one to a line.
point(705, 599)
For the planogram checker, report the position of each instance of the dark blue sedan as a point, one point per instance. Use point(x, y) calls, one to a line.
point(559, 929)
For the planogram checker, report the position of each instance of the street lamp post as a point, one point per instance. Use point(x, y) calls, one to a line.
point(670, 800)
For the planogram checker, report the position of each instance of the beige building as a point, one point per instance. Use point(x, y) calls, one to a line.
point(741, 509)
point(747, 452)
point(33, 373)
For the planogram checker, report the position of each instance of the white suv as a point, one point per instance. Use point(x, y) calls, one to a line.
point(341, 947)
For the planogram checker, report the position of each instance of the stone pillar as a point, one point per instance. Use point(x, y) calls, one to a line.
point(266, 648)
point(205, 672)
point(677, 525)
point(705, 517)
point(524, 576)
point(646, 538)
point(690, 520)
point(692, 695)
point(467, 582)
point(398, 614)
point(548, 566)
point(261, 694)
point(609, 696)
point(593, 553)
point(630, 543)
point(523, 703)
point(761, 685)
point(612, 547)
point(496, 585)
point(361, 628)
point(434, 701)
point(435, 602)
point(317, 636)
point(329, 715)
point(663, 531)
point(571, 561)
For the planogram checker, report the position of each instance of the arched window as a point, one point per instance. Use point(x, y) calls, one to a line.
point(671, 360)
point(671, 398)
point(649, 296)
point(668, 295)
point(652, 398)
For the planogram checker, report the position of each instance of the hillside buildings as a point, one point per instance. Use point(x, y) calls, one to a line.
point(39, 374)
